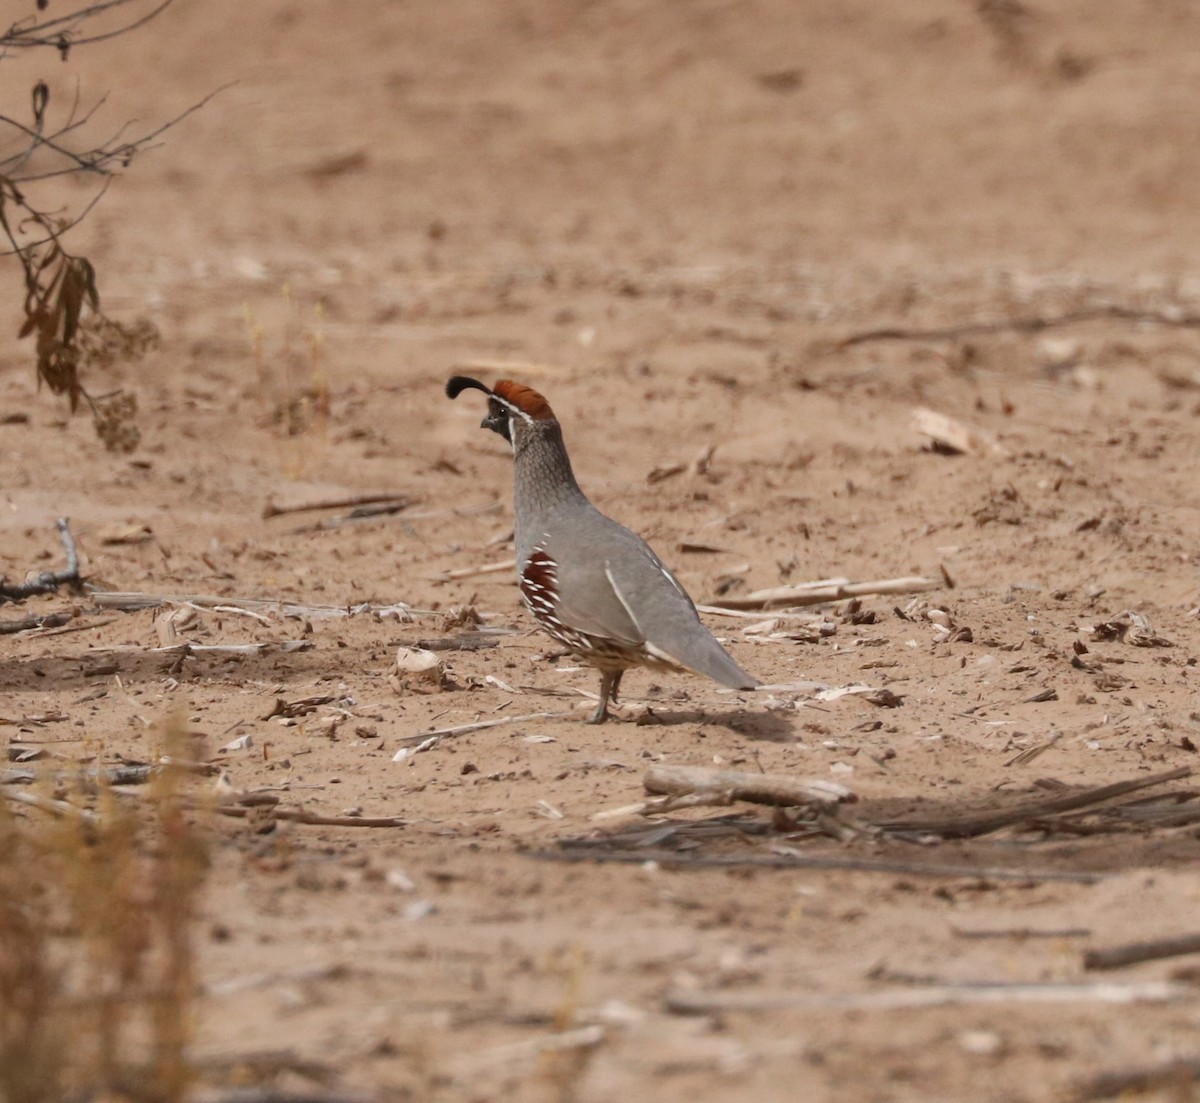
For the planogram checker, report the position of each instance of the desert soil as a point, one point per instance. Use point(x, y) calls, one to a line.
point(667, 217)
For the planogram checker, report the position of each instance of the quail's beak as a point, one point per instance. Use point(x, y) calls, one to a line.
point(497, 421)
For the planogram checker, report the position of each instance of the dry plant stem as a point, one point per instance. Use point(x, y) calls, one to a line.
point(1029, 324)
point(54, 807)
point(48, 630)
point(1022, 933)
point(399, 500)
point(32, 621)
point(1117, 957)
point(583, 1037)
point(479, 725)
point(671, 860)
point(773, 789)
point(287, 647)
point(297, 815)
point(962, 827)
point(277, 1095)
point(908, 999)
point(828, 589)
point(133, 601)
point(47, 581)
point(367, 513)
point(1133, 1083)
point(751, 614)
point(487, 568)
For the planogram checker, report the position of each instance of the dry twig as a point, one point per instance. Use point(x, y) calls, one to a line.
point(774, 789)
point(826, 589)
point(398, 500)
point(434, 737)
point(1179, 1074)
point(572, 851)
point(1028, 324)
point(1133, 953)
point(907, 999)
point(47, 581)
point(974, 824)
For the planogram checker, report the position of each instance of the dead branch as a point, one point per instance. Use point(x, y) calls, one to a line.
point(65, 31)
point(47, 581)
point(826, 589)
point(299, 815)
point(963, 827)
point(133, 601)
point(1029, 324)
point(1177, 1074)
point(774, 789)
point(47, 804)
point(1132, 953)
point(669, 859)
point(31, 621)
point(277, 1095)
point(907, 999)
point(426, 741)
point(367, 512)
point(62, 302)
point(486, 568)
point(1023, 933)
point(398, 500)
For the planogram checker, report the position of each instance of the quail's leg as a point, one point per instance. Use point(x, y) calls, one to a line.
point(608, 683)
point(616, 684)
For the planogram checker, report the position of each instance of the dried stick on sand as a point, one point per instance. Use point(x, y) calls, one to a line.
point(47, 804)
point(131, 601)
point(680, 860)
point(774, 789)
point(906, 999)
point(1174, 1077)
point(272, 510)
point(1028, 324)
point(1132, 953)
point(486, 568)
point(298, 815)
point(963, 827)
point(462, 729)
point(47, 581)
point(827, 589)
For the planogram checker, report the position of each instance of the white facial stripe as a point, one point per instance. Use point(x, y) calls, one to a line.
point(512, 409)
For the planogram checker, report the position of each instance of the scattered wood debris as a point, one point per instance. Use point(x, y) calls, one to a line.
point(817, 810)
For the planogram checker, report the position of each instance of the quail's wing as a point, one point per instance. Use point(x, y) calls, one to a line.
point(630, 591)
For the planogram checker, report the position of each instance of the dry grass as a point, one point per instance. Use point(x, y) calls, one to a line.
point(291, 384)
point(96, 958)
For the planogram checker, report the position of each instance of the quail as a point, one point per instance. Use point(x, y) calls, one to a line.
point(592, 584)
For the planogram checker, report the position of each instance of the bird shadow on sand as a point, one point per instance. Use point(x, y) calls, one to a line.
point(769, 727)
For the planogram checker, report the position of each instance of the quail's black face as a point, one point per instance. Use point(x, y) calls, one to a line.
point(499, 412)
point(497, 419)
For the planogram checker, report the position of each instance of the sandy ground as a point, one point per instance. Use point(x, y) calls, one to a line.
point(666, 217)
